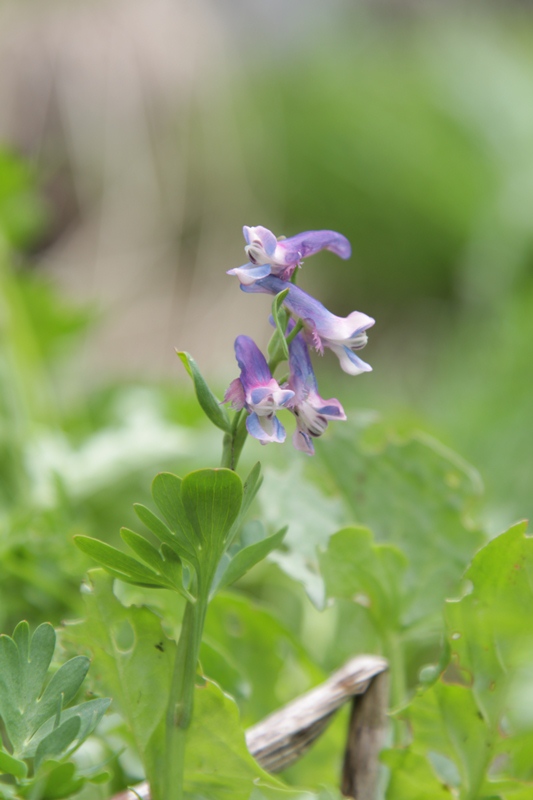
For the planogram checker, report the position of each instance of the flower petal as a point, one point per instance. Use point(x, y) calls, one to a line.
point(349, 362)
point(307, 244)
point(252, 363)
point(249, 273)
point(265, 429)
point(235, 395)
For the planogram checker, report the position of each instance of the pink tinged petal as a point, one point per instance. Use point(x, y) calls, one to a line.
point(249, 273)
point(265, 429)
point(303, 442)
point(235, 395)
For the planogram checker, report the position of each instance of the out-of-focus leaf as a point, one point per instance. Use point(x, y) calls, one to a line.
point(12, 766)
point(133, 659)
point(414, 494)
point(218, 764)
point(412, 777)
point(209, 403)
point(289, 498)
point(273, 665)
point(354, 566)
point(469, 725)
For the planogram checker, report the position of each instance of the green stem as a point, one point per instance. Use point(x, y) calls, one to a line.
point(181, 699)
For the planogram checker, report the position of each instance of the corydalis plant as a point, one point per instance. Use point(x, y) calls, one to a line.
point(194, 547)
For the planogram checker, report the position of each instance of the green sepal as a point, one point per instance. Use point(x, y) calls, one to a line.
point(207, 400)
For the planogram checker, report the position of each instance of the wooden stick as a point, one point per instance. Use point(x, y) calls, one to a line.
point(284, 736)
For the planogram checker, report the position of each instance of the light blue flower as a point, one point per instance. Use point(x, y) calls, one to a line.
point(258, 392)
point(311, 411)
point(280, 257)
point(343, 335)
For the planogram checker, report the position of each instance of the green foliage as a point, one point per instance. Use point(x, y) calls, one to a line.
point(42, 729)
point(201, 511)
point(468, 732)
point(134, 660)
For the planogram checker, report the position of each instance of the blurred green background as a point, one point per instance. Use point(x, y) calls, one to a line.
point(154, 131)
point(137, 138)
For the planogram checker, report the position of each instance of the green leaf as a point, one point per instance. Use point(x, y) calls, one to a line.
point(163, 533)
point(12, 766)
point(249, 556)
point(208, 402)
point(218, 764)
point(132, 656)
point(413, 493)
point(289, 496)
point(62, 689)
point(89, 713)
point(476, 718)
point(412, 777)
point(212, 499)
point(354, 566)
point(61, 781)
point(273, 665)
point(58, 741)
point(166, 491)
point(117, 563)
point(143, 549)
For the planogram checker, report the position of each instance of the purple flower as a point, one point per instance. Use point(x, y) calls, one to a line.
point(311, 411)
point(343, 335)
point(270, 256)
point(257, 392)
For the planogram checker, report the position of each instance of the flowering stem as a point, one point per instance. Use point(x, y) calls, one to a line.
point(234, 441)
point(297, 328)
point(180, 704)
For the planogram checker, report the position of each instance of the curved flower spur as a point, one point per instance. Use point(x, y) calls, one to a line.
point(343, 335)
point(280, 257)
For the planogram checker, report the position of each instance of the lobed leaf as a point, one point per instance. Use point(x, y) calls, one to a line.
point(181, 547)
point(117, 563)
point(57, 742)
point(249, 556)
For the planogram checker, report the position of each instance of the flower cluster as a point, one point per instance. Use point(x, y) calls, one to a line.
point(270, 269)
